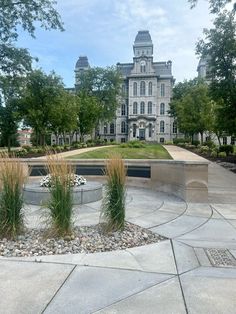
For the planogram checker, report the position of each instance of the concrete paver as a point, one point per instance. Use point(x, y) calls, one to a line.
point(27, 287)
point(153, 300)
point(94, 289)
point(210, 290)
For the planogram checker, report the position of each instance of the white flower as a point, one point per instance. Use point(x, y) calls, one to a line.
point(75, 180)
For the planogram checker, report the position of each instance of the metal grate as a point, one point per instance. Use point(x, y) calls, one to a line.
point(220, 257)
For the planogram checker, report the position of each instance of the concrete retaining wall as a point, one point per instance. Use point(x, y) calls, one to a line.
point(185, 179)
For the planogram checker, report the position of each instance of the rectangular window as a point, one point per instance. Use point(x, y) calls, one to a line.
point(123, 140)
point(224, 140)
point(162, 90)
point(123, 110)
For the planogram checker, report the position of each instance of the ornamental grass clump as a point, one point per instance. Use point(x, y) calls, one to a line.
point(113, 206)
point(12, 178)
point(61, 192)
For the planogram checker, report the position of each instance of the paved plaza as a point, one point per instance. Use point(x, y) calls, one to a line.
point(193, 271)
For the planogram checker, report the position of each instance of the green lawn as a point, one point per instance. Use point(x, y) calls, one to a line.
point(152, 151)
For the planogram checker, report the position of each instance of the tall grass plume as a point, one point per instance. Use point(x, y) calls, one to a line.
point(12, 177)
point(113, 205)
point(61, 201)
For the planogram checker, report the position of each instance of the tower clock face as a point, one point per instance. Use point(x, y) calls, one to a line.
point(142, 63)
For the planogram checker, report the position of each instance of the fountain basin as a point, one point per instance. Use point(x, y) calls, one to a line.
point(36, 195)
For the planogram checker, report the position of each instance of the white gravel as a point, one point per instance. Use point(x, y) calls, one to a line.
point(89, 239)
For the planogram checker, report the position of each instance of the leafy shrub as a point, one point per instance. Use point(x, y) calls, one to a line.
point(190, 146)
point(182, 145)
point(66, 147)
point(113, 143)
point(209, 143)
point(21, 153)
point(90, 141)
point(195, 142)
point(61, 202)
point(12, 178)
point(214, 154)
point(178, 141)
point(204, 149)
point(124, 145)
point(113, 206)
point(136, 144)
point(40, 150)
point(228, 149)
point(222, 154)
point(169, 143)
point(84, 145)
point(27, 147)
point(76, 145)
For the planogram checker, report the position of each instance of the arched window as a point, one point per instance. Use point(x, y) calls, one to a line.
point(123, 127)
point(174, 127)
point(135, 87)
point(134, 130)
point(150, 88)
point(135, 108)
point(149, 107)
point(143, 68)
point(162, 109)
point(162, 127)
point(162, 90)
point(150, 130)
point(142, 108)
point(142, 88)
point(112, 128)
point(123, 109)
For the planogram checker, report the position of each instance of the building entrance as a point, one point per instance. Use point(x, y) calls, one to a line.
point(142, 134)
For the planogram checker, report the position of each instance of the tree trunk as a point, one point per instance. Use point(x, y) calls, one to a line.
point(9, 144)
point(57, 137)
point(64, 138)
point(201, 137)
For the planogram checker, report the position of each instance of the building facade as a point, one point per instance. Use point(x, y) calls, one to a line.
point(144, 102)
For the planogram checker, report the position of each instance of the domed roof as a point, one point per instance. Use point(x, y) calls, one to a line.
point(82, 62)
point(143, 36)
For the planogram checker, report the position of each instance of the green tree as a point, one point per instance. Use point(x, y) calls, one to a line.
point(40, 96)
point(219, 47)
point(193, 110)
point(9, 119)
point(104, 84)
point(89, 112)
point(9, 111)
point(26, 14)
point(64, 116)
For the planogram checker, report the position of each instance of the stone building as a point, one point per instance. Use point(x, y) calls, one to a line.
point(146, 93)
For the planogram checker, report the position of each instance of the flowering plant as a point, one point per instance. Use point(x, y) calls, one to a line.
point(75, 180)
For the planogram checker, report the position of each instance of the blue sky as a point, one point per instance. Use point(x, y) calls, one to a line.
point(105, 30)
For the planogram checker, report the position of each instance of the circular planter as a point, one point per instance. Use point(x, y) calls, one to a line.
point(36, 195)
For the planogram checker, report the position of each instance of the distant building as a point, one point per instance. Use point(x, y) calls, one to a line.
point(24, 137)
point(146, 93)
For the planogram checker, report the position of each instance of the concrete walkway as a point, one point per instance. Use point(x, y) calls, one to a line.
point(193, 271)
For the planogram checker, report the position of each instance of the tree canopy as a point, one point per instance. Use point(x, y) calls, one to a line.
point(192, 107)
point(219, 47)
point(104, 85)
point(215, 5)
point(40, 96)
point(26, 14)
